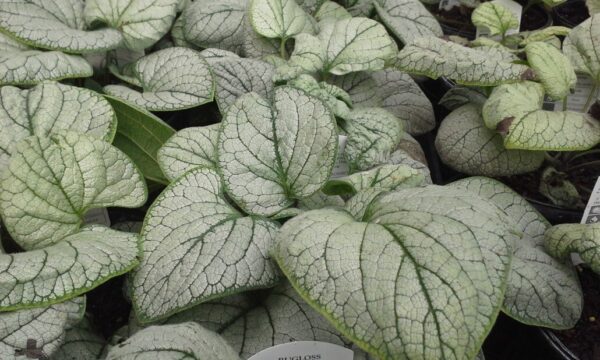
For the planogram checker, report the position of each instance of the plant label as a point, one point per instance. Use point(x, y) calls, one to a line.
point(576, 101)
point(448, 4)
point(97, 216)
point(591, 215)
point(515, 8)
point(305, 350)
point(340, 169)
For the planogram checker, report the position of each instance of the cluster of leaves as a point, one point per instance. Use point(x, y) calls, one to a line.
point(254, 242)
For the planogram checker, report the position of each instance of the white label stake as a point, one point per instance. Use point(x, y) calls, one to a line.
point(340, 169)
point(97, 216)
point(305, 350)
point(591, 215)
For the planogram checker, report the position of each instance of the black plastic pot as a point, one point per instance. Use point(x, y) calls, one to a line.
point(555, 214)
point(570, 14)
point(560, 351)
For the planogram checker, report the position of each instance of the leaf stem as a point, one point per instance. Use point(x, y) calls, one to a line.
point(589, 163)
point(590, 97)
point(564, 103)
point(282, 51)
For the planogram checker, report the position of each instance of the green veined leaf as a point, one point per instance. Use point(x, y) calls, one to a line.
point(142, 23)
point(76, 264)
point(541, 291)
point(280, 19)
point(237, 76)
point(139, 135)
point(426, 267)
point(257, 46)
point(29, 67)
point(8, 44)
point(580, 47)
point(81, 342)
point(373, 133)
point(251, 326)
point(172, 79)
point(210, 24)
point(458, 96)
point(44, 327)
point(192, 221)
point(407, 19)
point(172, 342)
point(55, 25)
point(592, 5)
point(48, 107)
point(494, 17)
point(515, 111)
point(545, 34)
point(552, 68)
point(52, 181)
point(309, 56)
point(435, 57)
point(273, 153)
point(584, 239)
point(355, 44)
point(189, 148)
point(330, 9)
point(465, 144)
point(335, 98)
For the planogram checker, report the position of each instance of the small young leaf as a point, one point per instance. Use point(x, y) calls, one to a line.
point(172, 342)
point(308, 57)
point(189, 148)
point(271, 154)
point(211, 24)
point(53, 180)
point(458, 96)
point(172, 79)
point(142, 23)
point(49, 107)
point(584, 239)
point(335, 98)
point(280, 19)
point(407, 19)
point(545, 34)
point(416, 267)
point(541, 291)
point(217, 250)
point(435, 57)
point(46, 326)
point(495, 17)
point(552, 68)
point(76, 264)
point(29, 67)
point(139, 135)
point(465, 144)
point(55, 25)
point(581, 45)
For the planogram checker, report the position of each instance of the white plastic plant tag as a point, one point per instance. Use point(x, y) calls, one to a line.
point(577, 100)
point(97, 216)
point(340, 169)
point(305, 350)
point(591, 215)
point(515, 8)
point(447, 5)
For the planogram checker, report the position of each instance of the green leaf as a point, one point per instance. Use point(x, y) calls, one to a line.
point(458, 96)
point(355, 44)
point(189, 148)
point(174, 342)
point(592, 5)
point(142, 23)
point(541, 291)
point(465, 144)
point(236, 76)
point(50, 107)
point(210, 24)
point(421, 276)
point(81, 342)
point(331, 10)
point(140, 135)
point(545, 34)
point(515, 111)
point(73, 266)
point(494, 17)
point(373, 133)
point(52, 181)
point(436, 57)
point(55, 25)
point(172, 79)
point(552, 68)
point(309, 56)
point(30, 67)
point(335, 98)
point(46, 326)
point(407, 19)
point(273, 153)
point(280, 19)
point(580, 47)
point(556, 187)
point(9, 44)
point(251, 326)
point(563, 239)
point(192, 222)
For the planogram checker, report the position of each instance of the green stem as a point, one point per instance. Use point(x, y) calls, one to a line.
point(564, 103)
point(282, 51)
point(589, 163)
point(585, 153)
point(590, 97)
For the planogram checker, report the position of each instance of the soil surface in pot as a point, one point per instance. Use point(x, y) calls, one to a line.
point(571, 13)
point(584, 339)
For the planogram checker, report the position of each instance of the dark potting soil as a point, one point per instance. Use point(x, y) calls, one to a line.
point(571, 13)
point(107, 307)
point(584, 339)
